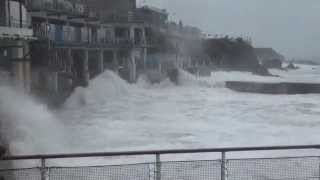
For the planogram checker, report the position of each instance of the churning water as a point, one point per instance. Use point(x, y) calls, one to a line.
point(112, 115)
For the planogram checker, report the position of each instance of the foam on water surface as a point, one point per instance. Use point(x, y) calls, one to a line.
point(28, 126)
point(112, 115)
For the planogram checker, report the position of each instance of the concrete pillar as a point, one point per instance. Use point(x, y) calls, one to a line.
point(27, 68)
point(7, 12)
point(17, 68)
point(27, 75)
point(18, 65)
point(86, 73)
point(21, 66)
point(69, 60)
point(145, 56)
point(112, 33)
point(133, 67)
point(101, 61)
point(67, 36)
point(70, 66)
point(115, 61)
point(144, 38)
point(132, 38)
point(55, 82)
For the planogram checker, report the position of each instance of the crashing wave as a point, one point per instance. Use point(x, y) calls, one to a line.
point(103, 88)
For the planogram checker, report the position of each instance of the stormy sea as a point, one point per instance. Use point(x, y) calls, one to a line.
point(113, 115)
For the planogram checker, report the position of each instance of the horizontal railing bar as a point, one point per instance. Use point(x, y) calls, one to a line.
point(161, 152)
point(272, 158)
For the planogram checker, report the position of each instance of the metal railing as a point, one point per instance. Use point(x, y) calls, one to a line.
point(57, 6)
point(13, 22)
point(41, 31)
point(282, 168)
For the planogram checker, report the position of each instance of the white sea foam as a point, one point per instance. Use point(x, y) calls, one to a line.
point(112, 115)
point(28, 126)
point(102, 89)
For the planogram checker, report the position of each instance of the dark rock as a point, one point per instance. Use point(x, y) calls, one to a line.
point(292, 66)
point(262, 71)
point(274, 63)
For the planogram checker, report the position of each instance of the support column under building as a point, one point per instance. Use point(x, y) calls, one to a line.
point(112, 31)
point(145, 56)
point(101, 61)
point(69, 61)
point(144, 38)
point(21, 66)
point(17, 68)
point(55, 82)
point(86, 73)
point(115, 61)
point(132, 33)
point(27, 76)
point(27, 67)
point(53, 75)
point(70, 66)
point(133, 67)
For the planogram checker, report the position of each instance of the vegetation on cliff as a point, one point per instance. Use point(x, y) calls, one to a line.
point(233, 54)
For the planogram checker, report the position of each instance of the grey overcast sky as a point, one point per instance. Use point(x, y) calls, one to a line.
point(292, 27)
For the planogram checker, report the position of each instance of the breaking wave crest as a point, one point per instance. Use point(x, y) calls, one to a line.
point(187, 79)
point(106, 87)
point(25, 122)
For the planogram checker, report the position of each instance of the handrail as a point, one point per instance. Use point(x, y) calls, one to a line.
point(159, 152)
point(14, 23)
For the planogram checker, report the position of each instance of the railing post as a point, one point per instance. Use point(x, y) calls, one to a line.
point(43, 169)
point(223, 165)
point(319, 169)
point(158, 167)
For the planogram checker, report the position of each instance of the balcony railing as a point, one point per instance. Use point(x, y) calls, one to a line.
point(14, 29)
point(57, 6)
point(223, 168)
point(16, 23)
point(69, 38)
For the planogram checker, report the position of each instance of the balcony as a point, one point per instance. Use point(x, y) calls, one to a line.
point(58, 7)
point(15, 29)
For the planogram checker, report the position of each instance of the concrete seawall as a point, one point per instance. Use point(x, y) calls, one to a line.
point(274, 88)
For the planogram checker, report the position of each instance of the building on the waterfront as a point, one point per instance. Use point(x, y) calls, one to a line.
point(75, 40)
point(112, 9)
point(15, 35)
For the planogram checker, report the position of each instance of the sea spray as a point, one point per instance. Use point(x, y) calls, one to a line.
point(186, 79)
point(103, 88)
point(141, 118)
point(28, 126)
point(144, 83)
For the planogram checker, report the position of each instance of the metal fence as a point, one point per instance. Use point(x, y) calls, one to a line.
point(284, 168)
point(13, 22)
